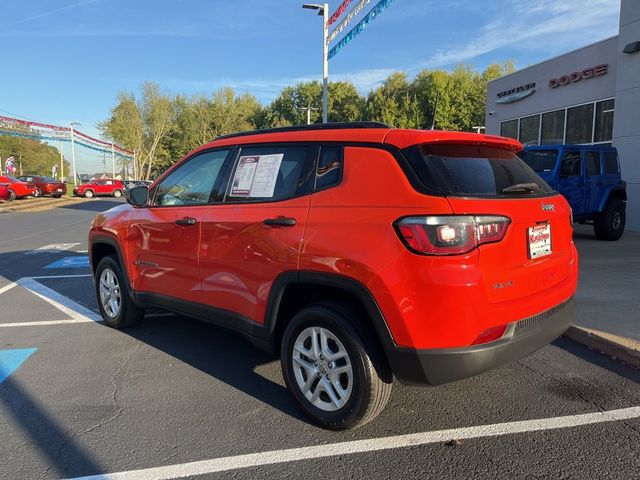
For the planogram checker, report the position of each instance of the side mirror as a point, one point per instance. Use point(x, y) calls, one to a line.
point(138, 196)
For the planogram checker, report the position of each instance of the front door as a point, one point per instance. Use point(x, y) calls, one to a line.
point(257, 233)
point(164, 237)
point(571, 182)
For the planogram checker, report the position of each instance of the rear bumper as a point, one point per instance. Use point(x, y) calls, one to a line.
point(438, 366)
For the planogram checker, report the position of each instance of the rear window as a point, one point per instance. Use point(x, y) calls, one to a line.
point(540, 160)
point(477, 171)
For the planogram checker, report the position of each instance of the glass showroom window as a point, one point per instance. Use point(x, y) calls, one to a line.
point(529, 130)
point(580, 124)
point(604, 121)
point(552, 128)
point(509, 129)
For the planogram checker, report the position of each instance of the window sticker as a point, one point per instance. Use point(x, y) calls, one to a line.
point(256, 176)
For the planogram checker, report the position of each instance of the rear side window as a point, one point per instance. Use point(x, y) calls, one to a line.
point(264, 174)
point(540, 160)
point(477, 171)
point(610, 163)
point(329, 169)
point(592, 162)
point(571, 164)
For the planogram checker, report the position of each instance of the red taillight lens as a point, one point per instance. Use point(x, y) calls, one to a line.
point(490, 334)
point(452, 234)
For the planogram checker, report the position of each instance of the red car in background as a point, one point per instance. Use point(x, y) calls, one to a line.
point(100, 187)
point(46, 185)
point(4, 191)
point(18, 188)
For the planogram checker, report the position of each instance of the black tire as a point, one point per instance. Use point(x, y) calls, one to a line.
point(372, 378)
point(57, 196)
point(609, 225)
point(128, 313)
point(117, 193)
point(12, 195)
point(88, 194)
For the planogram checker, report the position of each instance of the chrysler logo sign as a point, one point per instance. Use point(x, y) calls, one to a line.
point(516, 94)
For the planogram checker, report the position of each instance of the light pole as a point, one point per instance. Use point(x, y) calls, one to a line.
point(73, 156)
point(308, 109)
point(113, 162)
point(323, 9)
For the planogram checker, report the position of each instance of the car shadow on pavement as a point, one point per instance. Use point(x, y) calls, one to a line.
point(61, 452)
point(219, 353)
point(94, 205)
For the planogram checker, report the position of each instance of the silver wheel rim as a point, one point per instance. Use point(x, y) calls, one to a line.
point(322, 369)
point(110, 293)
point(617, 221)
point(88, 194)
point(117, 193)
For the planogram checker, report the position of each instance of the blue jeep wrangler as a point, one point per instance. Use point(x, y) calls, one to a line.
point(589, 178)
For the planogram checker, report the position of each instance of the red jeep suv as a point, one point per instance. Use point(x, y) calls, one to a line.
point(99, 187)
point(355, 251)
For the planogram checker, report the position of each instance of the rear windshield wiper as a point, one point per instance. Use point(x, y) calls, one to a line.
point(522, 187)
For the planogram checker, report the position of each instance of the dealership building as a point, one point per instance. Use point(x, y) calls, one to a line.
point(590, 95)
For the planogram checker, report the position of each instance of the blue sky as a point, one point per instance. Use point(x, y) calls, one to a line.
point(66, 60)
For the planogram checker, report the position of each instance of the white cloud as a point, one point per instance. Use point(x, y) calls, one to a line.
point(535, 24)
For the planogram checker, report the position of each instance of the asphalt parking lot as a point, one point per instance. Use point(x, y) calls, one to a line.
point(176, 398)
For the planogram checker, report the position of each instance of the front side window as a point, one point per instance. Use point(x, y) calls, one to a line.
point(571, 165)
point(264, 174)
point(540, 160)
point(192, 182)
point(464, 170)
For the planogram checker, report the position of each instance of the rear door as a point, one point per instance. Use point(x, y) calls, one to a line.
point(593, 179)
point(535, 253)
point(256, 234)
point(571, 182)
point(164, 238)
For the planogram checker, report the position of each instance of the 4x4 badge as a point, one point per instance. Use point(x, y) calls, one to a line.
point(548, 207)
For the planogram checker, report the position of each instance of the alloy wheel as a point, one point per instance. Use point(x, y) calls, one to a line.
point(110, 296)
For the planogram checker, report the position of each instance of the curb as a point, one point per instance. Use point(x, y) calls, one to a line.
point(35, 206)
point(620, 348)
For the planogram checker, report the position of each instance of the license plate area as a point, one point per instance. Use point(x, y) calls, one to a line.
point(539, 241)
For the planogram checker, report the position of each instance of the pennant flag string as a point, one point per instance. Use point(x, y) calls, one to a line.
point(339, 11)
point(347, 20)
point(27, 123)
point(357, 30)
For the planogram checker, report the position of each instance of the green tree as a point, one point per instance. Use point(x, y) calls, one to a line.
point(34, 156)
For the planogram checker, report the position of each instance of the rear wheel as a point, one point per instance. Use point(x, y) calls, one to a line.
point(57, 195)
point(117, 193)
point(609, 225)
point(88, 194)
point(12, 195)
point(37, 193)
point(116, 307)
point(334, 367)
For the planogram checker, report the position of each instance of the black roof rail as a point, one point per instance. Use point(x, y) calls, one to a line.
point(314, 126)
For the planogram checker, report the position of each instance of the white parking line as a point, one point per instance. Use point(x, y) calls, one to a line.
point(225, 464)
point(45, 277)
point(52, 248)
point(46, 322)
point(6, 288)
point(72, 309)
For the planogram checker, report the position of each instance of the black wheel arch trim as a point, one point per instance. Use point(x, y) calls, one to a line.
point(112, 242)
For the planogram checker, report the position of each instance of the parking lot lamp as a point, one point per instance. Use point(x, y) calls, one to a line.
point(323, 9)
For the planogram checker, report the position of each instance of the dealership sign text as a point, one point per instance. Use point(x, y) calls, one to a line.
point(574, 77)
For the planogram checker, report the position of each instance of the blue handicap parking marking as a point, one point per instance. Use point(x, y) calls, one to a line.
point(71, 262)
point(10, 360)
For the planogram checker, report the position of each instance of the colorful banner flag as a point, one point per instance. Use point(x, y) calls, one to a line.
point(347, 20)
point(339, 11)
point(357, 30)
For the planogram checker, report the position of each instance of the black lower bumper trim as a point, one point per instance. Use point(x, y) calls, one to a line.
point(438, 366)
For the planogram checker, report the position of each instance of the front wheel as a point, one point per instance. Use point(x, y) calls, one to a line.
point(609, 225)
point(12, 195)
point(116, 307)
point(117, 194)
point(37, 193)
point(334, 367)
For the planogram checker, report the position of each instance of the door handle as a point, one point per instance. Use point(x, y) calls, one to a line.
point(280, 222)
point(187, 221)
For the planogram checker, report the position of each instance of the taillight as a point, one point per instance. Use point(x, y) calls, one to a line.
point(452, 234)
